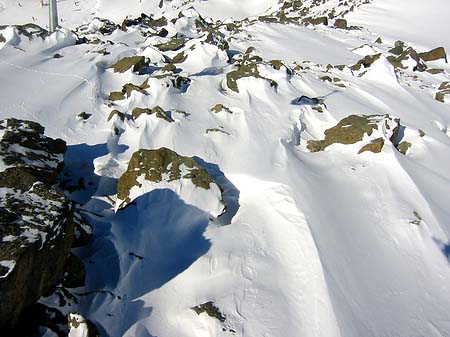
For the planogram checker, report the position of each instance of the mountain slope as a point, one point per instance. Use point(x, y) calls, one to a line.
point(330, 148)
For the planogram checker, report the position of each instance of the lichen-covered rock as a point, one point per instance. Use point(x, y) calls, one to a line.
point(247, 66)
point(372, 130)
point(403, 147)
point(172, 45)
point(149, 170)
point(444, 89)
point(406, 57)
point(341, 24)
point(137, 63)
point(144, 21)
point(433, 55)
point(211, 310)
point(157, 111)
point(127, 90)
point(26, 155)
point(366, 62)
point(36, 228)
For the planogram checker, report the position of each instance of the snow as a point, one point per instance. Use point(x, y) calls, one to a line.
point(10, 264)
point(312, 244)
point(209, 200)
point(422, 24)
point(78, 326)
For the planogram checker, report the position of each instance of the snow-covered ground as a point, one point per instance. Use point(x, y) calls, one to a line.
point(331, 243)
point(421, 23)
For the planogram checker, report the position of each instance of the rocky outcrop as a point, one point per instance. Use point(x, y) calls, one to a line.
point(150, 170)
point(371, 131)
point(36, 227)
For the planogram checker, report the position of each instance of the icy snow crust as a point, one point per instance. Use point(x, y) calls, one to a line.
point(331, 243)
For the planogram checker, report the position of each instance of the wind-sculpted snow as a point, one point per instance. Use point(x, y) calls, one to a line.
point(329, 142)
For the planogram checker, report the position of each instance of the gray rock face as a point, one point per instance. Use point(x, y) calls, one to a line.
point(36, 227)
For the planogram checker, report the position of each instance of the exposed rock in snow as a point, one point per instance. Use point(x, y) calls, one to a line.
point(36, 228)
point(80, 327)
point(149, 170)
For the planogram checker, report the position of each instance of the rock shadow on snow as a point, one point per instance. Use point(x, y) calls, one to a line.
point(78, 176)
point(444, 247)
point(230, 193)
point(158, 237)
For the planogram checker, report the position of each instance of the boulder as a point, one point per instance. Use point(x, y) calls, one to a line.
point(341, 24)
point(150, 170)
point(36, 227)
point(371, 131)
point(433, 55)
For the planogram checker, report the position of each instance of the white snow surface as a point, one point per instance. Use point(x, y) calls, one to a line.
point(326, 244)
point(9, 264)
point(421, 23)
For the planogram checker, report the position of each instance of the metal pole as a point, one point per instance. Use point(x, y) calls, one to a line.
point(53, 16)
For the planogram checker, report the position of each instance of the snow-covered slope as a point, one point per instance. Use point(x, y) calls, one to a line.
point(422, 23)
point(336, 224)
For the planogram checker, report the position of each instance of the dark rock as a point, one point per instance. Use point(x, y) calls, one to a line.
point(211, 310)
point(74, 273)
point(83, 232)
point(36, 227)
point(341, 24)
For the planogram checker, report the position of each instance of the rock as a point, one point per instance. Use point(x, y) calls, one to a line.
point(149, 170)
point(83, 232)
point(74, 273)
point(36, 227)
point(341, 24)
point(444, 89)
point(120, 115)
point(137, 63)
point(84, 115)
point(366, 62)
point(172, 45)
point(433, 55)
point(103, 26)
point(247, 66)
point(81, 327)
point(356, 128)
point(399, 47)
point(127, 90)
point(375, 146)
point(219, 108)
point(26, 155)
point(144, 21)
point(211, 310)
point(179, 58)
point(404, 57)
point(157, 111)
point(39, 317)
point(403, 147)
point(322, 20)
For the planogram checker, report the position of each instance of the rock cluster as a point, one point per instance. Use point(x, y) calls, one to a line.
point(36, 227)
